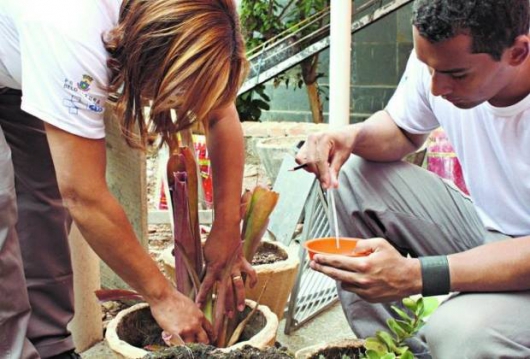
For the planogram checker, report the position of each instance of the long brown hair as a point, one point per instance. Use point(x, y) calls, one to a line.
point(181, 55)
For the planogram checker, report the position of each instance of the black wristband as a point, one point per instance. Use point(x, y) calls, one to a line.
point(435, 275)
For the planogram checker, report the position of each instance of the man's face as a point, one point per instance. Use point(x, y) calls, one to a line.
point(459, 76)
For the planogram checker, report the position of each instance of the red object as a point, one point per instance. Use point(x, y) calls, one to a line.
point(162, 205)
point(205, 171)
point(442, 160)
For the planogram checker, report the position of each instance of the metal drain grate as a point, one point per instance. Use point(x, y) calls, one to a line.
point(313, 292)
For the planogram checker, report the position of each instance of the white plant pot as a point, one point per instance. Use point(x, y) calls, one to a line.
point(311, 351)
point(265, 337)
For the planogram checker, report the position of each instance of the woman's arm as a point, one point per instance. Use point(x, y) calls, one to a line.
point(223, 247)
point(80, 168)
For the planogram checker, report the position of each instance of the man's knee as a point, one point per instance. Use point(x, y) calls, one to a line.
point(451, 335)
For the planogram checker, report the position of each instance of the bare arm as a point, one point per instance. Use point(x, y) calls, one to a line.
point(223, 247)
point(386, 275)
point(380, 139)
point(80, 166)
point(377, 139)
point(498, 266)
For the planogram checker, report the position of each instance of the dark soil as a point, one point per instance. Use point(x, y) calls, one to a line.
point(197, 351)
point(141, 330)
point(338, 353)
point(268, 253)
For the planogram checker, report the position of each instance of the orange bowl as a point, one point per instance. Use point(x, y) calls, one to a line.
point(328, 245)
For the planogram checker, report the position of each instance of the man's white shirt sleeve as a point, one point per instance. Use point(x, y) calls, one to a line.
point(410, 107)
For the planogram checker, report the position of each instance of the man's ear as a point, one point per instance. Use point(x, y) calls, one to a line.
point(519, 51)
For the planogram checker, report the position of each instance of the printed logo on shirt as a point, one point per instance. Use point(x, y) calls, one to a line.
point(79, 97)
point(75, 103)
point(84, 84)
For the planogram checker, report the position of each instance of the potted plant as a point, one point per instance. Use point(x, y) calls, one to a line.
point(276, 268)
point(256, 320)
point(389, 344)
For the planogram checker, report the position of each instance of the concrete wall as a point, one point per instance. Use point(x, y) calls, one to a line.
point(379, 55)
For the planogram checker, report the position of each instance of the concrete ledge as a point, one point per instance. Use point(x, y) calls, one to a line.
point(256, 131)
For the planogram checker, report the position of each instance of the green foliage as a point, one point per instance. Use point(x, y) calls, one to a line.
point(264, 20)
point(250, 107)
point(390, 345)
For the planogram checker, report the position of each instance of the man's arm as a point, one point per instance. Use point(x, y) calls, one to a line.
point(380, 139)
point(80, 167)
point(386, 275)
point(497, 266)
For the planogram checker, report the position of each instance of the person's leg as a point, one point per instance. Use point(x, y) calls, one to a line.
point(419, 213)
point(43, 227)
point(14, 303)
point(481, 325)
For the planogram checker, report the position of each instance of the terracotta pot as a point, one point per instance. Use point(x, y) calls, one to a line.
point(260, 332)
point(350, 347)
point(279, 277)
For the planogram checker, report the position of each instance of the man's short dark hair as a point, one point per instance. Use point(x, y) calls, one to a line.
point(492, 24)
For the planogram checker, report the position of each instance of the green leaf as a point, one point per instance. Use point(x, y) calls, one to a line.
point(407, 355)
point(401, 313)
point(386, 338)
point(262, 104)
point(261, 205)
point(430, 304)
point(396, 328)
point(401, 350)
point(370, 354)
point(389, 356)
point(420, 308)
point(375, 345)
point(410, 304)
point(408, 326)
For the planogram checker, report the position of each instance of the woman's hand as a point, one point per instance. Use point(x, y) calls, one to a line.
point(226, 265)
point(181, 320)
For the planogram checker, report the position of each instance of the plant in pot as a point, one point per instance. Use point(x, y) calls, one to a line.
point(276, 268)
point(389, 344)
point(255, 320)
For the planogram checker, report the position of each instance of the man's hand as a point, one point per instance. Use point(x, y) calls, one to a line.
point(181, 320)
point(382, 276)
point(325, 153)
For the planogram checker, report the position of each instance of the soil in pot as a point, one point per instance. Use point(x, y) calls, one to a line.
point(338, 353)
point(268, 253)
point(141, 330)
point(208, 351)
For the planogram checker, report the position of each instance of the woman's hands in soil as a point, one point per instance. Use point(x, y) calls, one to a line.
point(325, 153)
point(181, 320)
point(384, 275)
point(226, 265)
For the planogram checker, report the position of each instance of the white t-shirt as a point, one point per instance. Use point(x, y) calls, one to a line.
point(53, 51)
point(492, 144)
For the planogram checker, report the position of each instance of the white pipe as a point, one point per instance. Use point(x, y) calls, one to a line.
point(339, 63)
